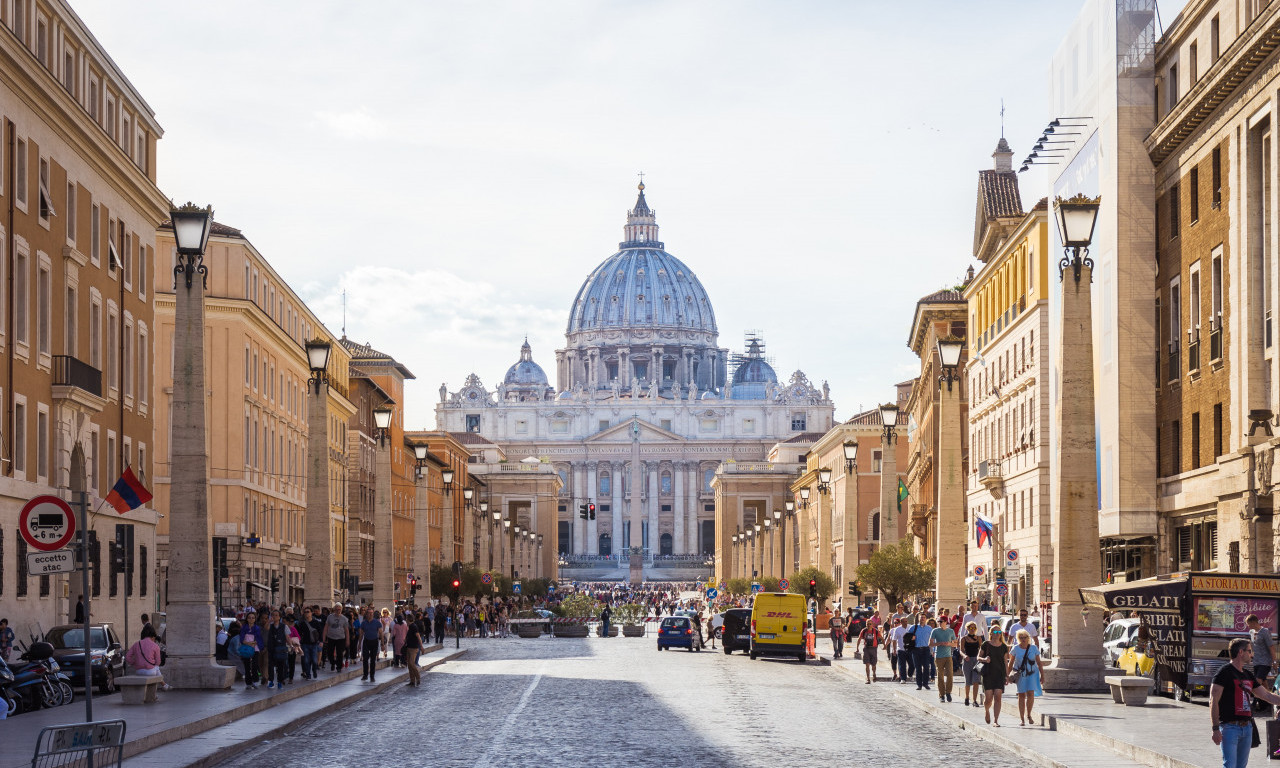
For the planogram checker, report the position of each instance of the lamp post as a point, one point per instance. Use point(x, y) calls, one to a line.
point(780, 547)
point(319, 575)
point(495, 521)
point(850, 456)
point(190, 661)
point(888, 485)
point(789, 522)
point(950, 535)
point(1077, 649)
point(421, 520)
point(383, 550)
point(804, 498)
point(540, 574)
point(824, 480)
point(766, 556)
point(758, 543)
point(508, 555)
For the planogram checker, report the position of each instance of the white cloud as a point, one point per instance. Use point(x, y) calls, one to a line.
point(358, 124)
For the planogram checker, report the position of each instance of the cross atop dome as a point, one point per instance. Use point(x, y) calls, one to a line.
point(641, 230)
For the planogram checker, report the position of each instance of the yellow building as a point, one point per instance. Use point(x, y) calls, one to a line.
point(76, 333)
point(257, 418)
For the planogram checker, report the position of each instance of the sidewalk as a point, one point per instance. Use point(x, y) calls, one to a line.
point(194, 728)
point(1072, 730)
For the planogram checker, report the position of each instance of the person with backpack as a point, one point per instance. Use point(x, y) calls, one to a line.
point(251, 642)
point(277, 651)
point(309, 630)
point(336, 632)
point(869, 641)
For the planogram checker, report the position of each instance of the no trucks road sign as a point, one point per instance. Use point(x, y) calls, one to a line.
point(47, 523)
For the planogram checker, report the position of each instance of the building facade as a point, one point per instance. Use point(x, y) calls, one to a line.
point(77, 323)
point(257, 420)
point(646, 407)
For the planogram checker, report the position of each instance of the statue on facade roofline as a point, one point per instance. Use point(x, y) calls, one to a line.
point(444, 392)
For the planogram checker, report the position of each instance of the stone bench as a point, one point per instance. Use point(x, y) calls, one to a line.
point(138, 689)
point(1129, 690)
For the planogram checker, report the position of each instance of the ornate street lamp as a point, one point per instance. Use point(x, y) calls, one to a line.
point(949, 349)
point(383, 554)
point(804, 497)
point(791, 507)
point(889, 417)
point(1076, 219)
point(382, 421)
point(446, 475)
point(420, 456)
point(850, 456)
point(777, 514)
point(191, 228)
point(318, 360)
point(824, 480)
point(468, 494)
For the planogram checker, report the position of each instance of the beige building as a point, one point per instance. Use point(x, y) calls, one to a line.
point(1212, 147)
point(257, 419)
point(77, 326)
point(1008, 413)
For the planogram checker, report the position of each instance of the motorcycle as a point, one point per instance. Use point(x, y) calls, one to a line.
point(38, 681)
point(12, 702)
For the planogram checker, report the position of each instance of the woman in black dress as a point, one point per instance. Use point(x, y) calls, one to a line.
point(992, 655)
point(970, 649)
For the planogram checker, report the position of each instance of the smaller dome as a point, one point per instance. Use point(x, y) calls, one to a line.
point(525, 372)
point(754, 376)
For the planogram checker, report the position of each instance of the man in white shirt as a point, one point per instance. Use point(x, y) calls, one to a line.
point(900, 657)
point(1023, 623)
point(976, 617)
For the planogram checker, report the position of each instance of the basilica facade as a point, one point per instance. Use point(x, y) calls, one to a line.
point(646, 406)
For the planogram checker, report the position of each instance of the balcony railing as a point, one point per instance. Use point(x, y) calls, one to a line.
point(71, 372)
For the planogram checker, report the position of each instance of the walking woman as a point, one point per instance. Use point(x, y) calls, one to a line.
point(412, 647)
point(869, 641)
point(994, 656)
point(970, 649)
point(1025, 658)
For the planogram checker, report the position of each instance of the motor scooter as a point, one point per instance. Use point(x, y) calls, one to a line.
point(9, 701)
point(36, 681)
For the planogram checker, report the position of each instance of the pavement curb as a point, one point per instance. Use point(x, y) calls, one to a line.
point(135, 747)
point(1122, 748)
point(987, 734)
point(226, 753)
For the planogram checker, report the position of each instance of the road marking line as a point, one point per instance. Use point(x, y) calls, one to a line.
point(501, 735)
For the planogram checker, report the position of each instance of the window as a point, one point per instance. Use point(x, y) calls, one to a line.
point(20, 171)
point(1195, 195)
point(1195, 440)
point(111, 473)
point(1217, 430)
point(1171, 88)
point(20, 298)
point(42, 42)
point(42, 444)
point(46, 200)
point(1175, 213)
point(1215, 308)
point(1216, 186)
point(93, 98)
point(1193, 55)
point(44, 310)
point(473, 422)
point(95, 234)
point(69, 331)
point(1175, 447)
point(144, 258)
point(798, 422)
point(95, 334)
point(20, 437)
point(604, 484)
point(127, 363)
point(113, 359)
point(71, 212)
point(1175, 323)
point(1214, 39)
point(69, 71)
point(1193, 318)
point(20, 20)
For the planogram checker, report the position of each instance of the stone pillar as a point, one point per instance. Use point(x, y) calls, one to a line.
point(562, 371)
point(190, 641)
point(852, 526)
point(635, 509)
point(593, 530)
point(694, 491)
point(825, 533)
point(384, 574)
point(447, 548)
point(651, 508)
point(578, 495)
point(615, 478)
point(624, 368)
point(1077, 648)
point(951, 534)
point(421, 535)
point(319, 578)
point(679, 542)
point(888, 503)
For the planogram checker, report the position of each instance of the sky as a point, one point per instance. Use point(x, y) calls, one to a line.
point(457, 169)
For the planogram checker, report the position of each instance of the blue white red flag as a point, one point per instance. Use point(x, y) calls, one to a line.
point(983, 529)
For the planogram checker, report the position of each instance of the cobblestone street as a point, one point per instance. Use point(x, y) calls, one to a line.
point(561, 702)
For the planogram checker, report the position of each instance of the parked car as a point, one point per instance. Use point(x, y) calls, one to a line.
point(735, 634)
point(1118, 636)
point(106, 654)
point(678, 632)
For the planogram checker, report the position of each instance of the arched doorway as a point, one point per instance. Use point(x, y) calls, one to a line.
point(664, 544)
point(606, 544)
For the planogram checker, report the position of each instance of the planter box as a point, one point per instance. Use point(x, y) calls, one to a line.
point(569, 630)
point(613, 630)
point(529, 630)
point(633, 630)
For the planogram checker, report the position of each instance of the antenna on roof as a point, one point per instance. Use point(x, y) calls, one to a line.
point(344, 312)
point(1002, 118)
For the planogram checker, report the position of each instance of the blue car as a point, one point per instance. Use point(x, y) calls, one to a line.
point(679, 632)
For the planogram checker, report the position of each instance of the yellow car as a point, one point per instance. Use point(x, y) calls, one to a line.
point(778, 625)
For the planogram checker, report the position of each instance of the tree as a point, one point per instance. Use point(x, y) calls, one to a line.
point(826, 585)
point(738, 586)
point(897, 572)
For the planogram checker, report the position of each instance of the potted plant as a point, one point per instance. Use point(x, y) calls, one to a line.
point(530, 629)
point(631, 616)
point(582, 608)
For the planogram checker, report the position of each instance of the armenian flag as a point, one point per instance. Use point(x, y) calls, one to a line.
point(128, 493)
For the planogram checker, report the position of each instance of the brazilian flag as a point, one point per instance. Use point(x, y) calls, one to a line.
point(902, 494)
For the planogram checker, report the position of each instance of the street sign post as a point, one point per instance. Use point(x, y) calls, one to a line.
point(755, 587)
point(1002, 589)
point(58, 561)
point(486, 578)
point(47, 523)
point(979, 571)
point(1012, 556)
point(784, 585)
point(711, 593)
point(515, 588)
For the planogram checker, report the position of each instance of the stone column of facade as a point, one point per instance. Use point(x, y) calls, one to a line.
point(679, 542)
point(951, 535)
point(422, 535)
point(635, 510)
point(446, 532)
point(593, 530)
point(651, 509)
point(190, 648)
point(319, 579)
point(383, 553)
point(825, 513)
point(852, 527)
point(615, 488)
point(578, 496)
point(695, 505)
point(624, 367)
point(562, 371)
point(1077, 648)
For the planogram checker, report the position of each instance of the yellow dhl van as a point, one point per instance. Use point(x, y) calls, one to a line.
point(778, 625)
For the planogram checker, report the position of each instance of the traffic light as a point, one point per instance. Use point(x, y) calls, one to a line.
point(854, 589)
point(591, 510)
point(813, 589)
point(582, 511)
point(413, 587)
point(457, 569)
point(457, 585)
point(275, 584)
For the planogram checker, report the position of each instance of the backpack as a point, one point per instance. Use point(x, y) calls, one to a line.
point(909, 639)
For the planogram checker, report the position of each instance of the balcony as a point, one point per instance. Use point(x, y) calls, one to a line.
point(77, 381)
point(989, 475)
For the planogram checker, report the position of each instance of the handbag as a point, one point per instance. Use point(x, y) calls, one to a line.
point(247, 651)
point(1017, 673)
